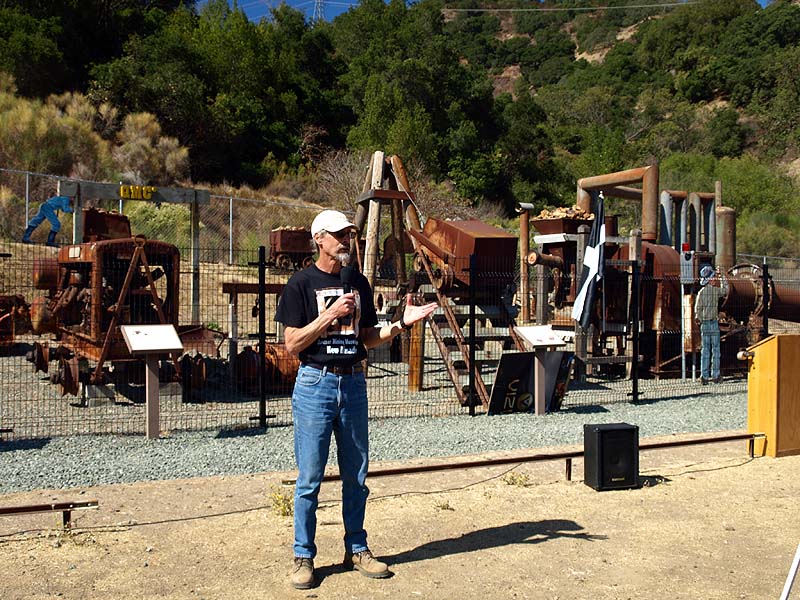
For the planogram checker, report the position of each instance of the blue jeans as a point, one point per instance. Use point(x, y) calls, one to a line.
point(323, 403)
point(46, 212)
point(709, 351)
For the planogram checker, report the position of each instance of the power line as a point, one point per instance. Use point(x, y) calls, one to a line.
point(575, 8)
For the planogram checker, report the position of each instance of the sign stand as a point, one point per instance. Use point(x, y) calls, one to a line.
point(543, 339)
point(151, 341)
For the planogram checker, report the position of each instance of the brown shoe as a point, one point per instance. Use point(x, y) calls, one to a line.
point(303, 573)
point(366, 564)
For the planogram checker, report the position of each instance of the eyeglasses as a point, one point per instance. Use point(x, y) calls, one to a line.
point(343, 234)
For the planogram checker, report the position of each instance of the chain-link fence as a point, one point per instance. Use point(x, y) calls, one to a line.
point(64, 368)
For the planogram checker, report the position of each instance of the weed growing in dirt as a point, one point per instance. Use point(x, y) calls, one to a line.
point(444, 505)
point(282, 501)
point(518, 479)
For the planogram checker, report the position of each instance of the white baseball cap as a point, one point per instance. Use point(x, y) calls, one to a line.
point(330, 220)
point(706, 274)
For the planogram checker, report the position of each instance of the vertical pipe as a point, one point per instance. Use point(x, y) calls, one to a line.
point(695, 224)
point(710, 212)
point(666, 233)
point(230, 231)
point(583, 200)
point(726, 238)
point(684, 237)
point(650, 203)
point(524, 248)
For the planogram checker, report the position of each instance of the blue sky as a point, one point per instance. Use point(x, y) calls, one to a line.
point(257, 9)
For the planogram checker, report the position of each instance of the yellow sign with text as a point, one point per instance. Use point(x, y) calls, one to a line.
point(137, 192)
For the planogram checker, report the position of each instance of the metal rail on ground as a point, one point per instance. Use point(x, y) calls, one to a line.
point(65, 508)
point(568, 456)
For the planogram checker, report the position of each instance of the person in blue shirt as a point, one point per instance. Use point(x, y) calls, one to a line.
point(48, 210)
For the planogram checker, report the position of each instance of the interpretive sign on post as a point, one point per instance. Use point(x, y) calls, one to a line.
point(151, 341)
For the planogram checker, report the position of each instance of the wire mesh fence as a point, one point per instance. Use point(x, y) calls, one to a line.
point(64, 368)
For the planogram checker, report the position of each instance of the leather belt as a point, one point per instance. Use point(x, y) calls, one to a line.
point(337, 370)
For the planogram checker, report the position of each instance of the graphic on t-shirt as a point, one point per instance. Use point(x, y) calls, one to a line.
point(341, 337)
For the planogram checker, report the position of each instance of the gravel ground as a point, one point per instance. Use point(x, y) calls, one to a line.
point(84, 461)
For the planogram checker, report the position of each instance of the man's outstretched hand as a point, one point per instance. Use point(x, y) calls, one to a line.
point(413, 313)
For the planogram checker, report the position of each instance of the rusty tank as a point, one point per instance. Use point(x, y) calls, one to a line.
point(448, 246)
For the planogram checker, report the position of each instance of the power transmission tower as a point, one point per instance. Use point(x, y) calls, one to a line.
point(319, 10)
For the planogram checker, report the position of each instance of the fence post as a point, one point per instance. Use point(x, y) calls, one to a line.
point(262, 336)
point(230, 231)
point(27, 198)
point(473, 272)
point(195, 228)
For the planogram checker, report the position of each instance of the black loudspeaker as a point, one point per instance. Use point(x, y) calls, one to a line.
point(611, 456)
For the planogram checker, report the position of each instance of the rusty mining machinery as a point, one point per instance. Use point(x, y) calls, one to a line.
point(441, 272)
point(15, 317)
point(113, 278)
point(680, 231)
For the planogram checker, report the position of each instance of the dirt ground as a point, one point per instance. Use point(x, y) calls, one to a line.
point(708, 522)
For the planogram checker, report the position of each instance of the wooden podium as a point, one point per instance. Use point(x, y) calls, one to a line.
point(773, 394)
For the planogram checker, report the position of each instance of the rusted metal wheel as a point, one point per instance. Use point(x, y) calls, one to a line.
point(193, 376)
point(308, 261)
point(443, 278)
point(67, 376)
point(284, 261)
point(40, 357)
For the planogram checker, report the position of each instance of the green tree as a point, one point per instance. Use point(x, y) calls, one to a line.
point(29, 52)
point(725, 135)
point(232, 90)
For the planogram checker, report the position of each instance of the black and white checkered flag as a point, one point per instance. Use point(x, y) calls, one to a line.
point(593, 261)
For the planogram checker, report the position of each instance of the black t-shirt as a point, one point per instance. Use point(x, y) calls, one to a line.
point(307, 294)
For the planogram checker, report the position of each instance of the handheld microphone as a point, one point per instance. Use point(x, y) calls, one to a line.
point(346, 276)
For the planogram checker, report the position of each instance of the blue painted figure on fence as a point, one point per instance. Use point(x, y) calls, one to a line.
point(48, 210)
